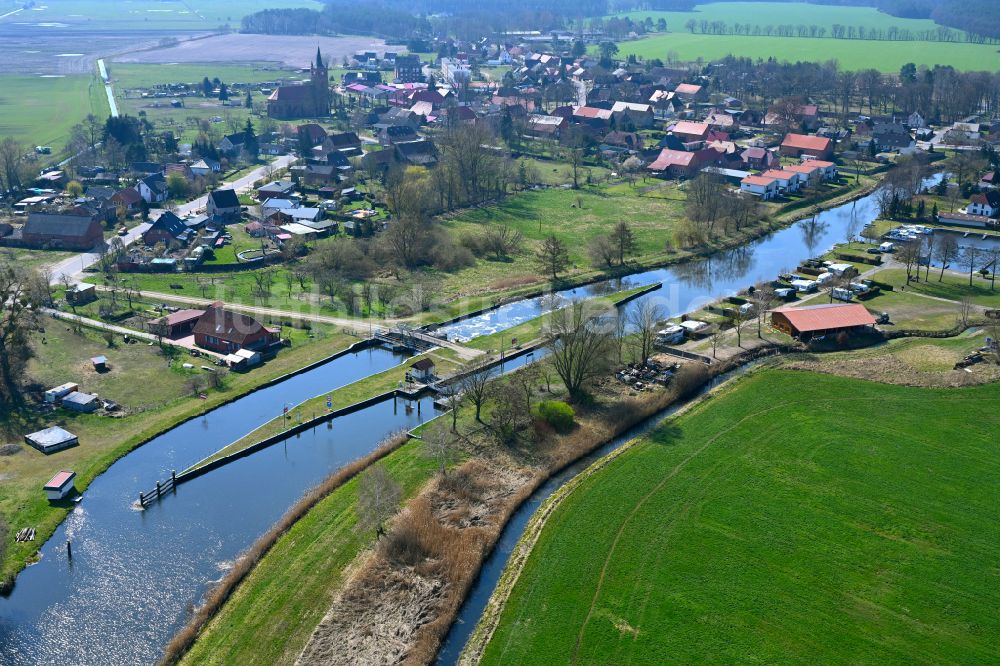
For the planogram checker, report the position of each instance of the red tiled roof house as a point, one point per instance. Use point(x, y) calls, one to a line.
point(225, 332)
point(798, 145)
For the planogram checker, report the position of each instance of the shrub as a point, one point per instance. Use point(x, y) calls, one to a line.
point(557, 414)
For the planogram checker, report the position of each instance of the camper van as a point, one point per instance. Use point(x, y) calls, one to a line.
point(672, 335)
point(887, 247)
point(842, 294)
point(804, 286)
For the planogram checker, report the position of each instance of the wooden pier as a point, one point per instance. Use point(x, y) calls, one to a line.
point(170, 485)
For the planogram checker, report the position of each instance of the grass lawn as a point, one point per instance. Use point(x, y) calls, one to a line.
point(780, 523)
point(40, 111)
point(576, 216)
point(953, 287)
point(912, 311)
point(445, 361)
point(33, 259)
point(273, 612)
point(163, 401)
point(886, 56)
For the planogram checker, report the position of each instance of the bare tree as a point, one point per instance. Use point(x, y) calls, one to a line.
point(502, 240)
point(762, 298)
point(909, 255)
point(645, 320)
point(441, 446)
point(965, 309)
point(970, 255)
point(475, 383)
point(18, 317)
point(947, 251)
point(579, 348)
point(452, 394)
point(510, 414)
point(552, 257)
point(379, 496)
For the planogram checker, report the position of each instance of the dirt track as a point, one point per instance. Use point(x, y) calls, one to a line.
point(293, 50)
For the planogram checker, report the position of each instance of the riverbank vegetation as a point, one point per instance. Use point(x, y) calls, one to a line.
point(765, 510)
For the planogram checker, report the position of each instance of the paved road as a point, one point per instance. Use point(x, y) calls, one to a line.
point(343, 322)
point(106, 80)
point(78, 263)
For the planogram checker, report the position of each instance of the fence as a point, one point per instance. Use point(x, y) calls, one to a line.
point(170, 485)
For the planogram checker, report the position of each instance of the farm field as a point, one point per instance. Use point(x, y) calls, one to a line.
point(784, 13)
point(765, 526)
point(87, 15)
point(135, 75)
point(887, 57)
point(36, 110)
point(290, 50)
point(852, 54)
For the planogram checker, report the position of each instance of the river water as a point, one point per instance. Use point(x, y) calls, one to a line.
point(135, 574)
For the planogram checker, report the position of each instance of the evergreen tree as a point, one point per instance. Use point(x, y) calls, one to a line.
point(223, 93)
point(250, 143)
point(248, 102)
point(206, 87)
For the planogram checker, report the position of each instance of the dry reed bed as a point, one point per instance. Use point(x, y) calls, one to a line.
point(402, 600)
point(217, 596)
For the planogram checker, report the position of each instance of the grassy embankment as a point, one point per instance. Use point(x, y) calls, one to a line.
point(165, 399)
point(887, 56)
point(805, 533)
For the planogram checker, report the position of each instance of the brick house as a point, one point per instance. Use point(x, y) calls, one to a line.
point(223, 331)
point(57, 230)
point(798, 145)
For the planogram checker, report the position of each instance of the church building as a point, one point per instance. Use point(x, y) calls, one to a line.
point(304, 100)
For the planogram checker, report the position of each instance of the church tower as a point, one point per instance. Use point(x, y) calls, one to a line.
point(319, 75)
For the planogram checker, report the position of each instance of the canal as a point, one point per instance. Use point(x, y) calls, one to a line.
point(135, 575)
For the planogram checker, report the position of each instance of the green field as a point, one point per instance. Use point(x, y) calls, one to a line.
point(782, 521)
point(137, 75)
point(40, 111)
point(109, 15)
point(852, 54)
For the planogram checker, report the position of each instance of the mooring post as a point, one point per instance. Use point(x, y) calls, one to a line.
point(69, 549)
point(142, 501)
point(418, 407)
point(157, 488)
point(173, 475)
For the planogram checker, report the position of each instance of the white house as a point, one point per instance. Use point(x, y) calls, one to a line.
point(423, 370)
point(828, 169)
point(759, 186)
point(60, 485)
point(787, 181)
point(986, 204)
point(153, 189)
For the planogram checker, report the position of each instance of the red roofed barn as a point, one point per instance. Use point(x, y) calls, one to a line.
point(811, 320)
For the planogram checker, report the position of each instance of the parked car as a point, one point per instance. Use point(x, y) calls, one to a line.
point(873, 250)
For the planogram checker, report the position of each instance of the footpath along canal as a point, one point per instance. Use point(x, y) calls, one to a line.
point(135, 575)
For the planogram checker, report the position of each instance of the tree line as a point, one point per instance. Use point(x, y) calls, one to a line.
point(836, 31)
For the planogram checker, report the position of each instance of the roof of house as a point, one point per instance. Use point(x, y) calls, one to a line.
point(779, 174)
point(156, 182)
point(171, 224)
point(226, 325)
point(225, 199)
point(592, 112)
point(763, 181)
point(277, 186)
point(691, 128)
point(806, 142)
point(58, 224)
point(754, 153)
point(669, 158)
point(827, 316)
point(179, 317)
point(342, 140)
point(423, 364)
point(822, 164)
point(991, 197)
point(80, 398)
point(687, 89)
point(618, 107)
point(129, 195)
point(60, 479)
point(805, 167)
